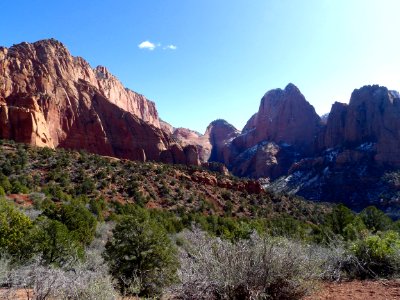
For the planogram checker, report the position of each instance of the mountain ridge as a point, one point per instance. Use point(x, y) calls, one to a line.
point(50, 98)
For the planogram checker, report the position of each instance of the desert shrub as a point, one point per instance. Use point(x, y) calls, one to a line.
point(257, 268)
point(168, 220)
point(97, 207)
point(76, 281)
point(5, 268)
point(2, 192)
point(86, 186)
point(54, 191)
point(336, 261)
point(379, 255)
point(355, 230)
point(141, 257)
point(15, 230)
point(287, 226)
point(6, 168)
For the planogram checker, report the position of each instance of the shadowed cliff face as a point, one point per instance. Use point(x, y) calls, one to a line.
point(50, 98)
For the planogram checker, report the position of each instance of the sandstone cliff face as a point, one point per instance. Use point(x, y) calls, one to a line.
point(285, 116)
point(50, 98)
point(372, 116)
point(128, 100)
point(220, 134)
point(168, 128)
point(210, 145)
point(189, 137)
point(285, 128)
point(359, 153)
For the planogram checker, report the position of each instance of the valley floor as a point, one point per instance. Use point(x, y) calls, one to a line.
point(358, 290)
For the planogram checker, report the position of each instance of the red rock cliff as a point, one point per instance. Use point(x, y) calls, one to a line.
point(372, 116)
point(50, 98)
point(285, 128)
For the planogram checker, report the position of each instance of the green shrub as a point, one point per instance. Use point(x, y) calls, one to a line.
point(355, 230)
point(141, 257)
point(339, 218)
point(2, 192)
point(18, 188)
point(14, 231)
point(5, 183)
point(55, 243)
point(77, 218)
point(379, 255)
point(97, 207)
point(375, 219)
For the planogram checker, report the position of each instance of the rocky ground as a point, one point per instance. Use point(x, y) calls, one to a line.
point(358, 290)
point(352, 290)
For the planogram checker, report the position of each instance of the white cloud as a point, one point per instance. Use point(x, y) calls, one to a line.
point(171, 47)
point(147, 45)
point(151, 46)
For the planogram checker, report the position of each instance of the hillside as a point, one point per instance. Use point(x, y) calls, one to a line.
point(62, 174)
point(72, 222)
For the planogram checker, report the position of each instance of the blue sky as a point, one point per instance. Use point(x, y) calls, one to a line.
point(228, 52)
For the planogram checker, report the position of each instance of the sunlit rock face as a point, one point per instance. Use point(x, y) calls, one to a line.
point(372, 116)
point(50, 98)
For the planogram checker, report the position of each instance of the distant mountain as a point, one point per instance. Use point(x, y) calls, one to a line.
point(353, 157)
point(50, 98)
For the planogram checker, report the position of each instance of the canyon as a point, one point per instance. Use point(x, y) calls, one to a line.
point(50, 98)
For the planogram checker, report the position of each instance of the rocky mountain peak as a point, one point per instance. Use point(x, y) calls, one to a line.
point(372, 116)
point(285, 128)
point(291, 88)
point(220, 134)
point(370, 93)
point(395, 94)
point(286, 116)
point(220, 123)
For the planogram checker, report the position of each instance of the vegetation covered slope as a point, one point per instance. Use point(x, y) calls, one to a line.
point(79, 226)
point(60, 175)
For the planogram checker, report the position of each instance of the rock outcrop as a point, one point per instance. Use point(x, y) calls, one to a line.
point(220, 133)
point(50, 98)
point(189, 137)
point(168, 128)
point(285, 128)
